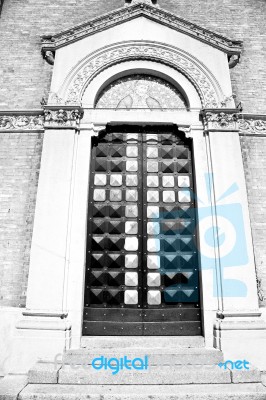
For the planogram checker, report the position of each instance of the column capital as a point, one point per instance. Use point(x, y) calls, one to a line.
point(66, 117)
point(220, 119)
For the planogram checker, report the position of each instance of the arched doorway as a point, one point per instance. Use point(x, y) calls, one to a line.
point(142, 274)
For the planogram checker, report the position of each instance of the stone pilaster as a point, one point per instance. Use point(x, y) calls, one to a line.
point(45, 321)
point(238, 319)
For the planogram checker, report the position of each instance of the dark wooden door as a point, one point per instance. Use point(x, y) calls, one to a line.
point(142, 262)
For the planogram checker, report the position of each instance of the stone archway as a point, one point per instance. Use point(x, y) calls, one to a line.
point(85, 71)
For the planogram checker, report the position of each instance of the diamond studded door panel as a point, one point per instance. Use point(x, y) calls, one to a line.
point(142, 265)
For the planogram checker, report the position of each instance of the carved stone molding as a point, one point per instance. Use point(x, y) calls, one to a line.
point(220, 119)
point(58, 117)
point(50, 117)
point(21, 121)
point(124, 14)
point(202, 79)
point(233, 119)
point(252, 125)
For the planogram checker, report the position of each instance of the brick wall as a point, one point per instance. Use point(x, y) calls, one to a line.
point(25, 76)
point(254, 156)
point(19, 165)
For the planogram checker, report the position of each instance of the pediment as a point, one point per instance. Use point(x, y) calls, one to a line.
point(125, 14)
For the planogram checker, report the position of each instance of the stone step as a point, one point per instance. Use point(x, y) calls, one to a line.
point(157, 356)
point(11, 386)
point(251, 391)
point(158, 375)
point(144, 342)
point(153, 375)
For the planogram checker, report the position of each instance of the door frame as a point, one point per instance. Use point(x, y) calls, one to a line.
point(66, 148)
point(187, 122)
point(171, 128)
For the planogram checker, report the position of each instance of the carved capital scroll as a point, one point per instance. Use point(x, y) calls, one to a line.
point(220, 119)
point(62, 117)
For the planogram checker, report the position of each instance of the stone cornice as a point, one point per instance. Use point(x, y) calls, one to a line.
point(121, 15)
point(68, 117)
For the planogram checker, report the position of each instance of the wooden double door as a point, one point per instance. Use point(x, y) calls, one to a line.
point(142, 274)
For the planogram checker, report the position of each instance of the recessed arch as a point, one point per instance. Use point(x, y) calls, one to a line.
point(86, 70)
point(140, 90)
point(151, 68)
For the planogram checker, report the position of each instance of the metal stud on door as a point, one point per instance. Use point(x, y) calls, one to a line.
point(142, 266)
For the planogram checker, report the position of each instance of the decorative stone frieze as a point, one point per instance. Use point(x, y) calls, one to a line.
point(220, 119)
point(62, 117)
point(50, 117)
point(233, 119)
point(252, 124)
point(20, 121)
